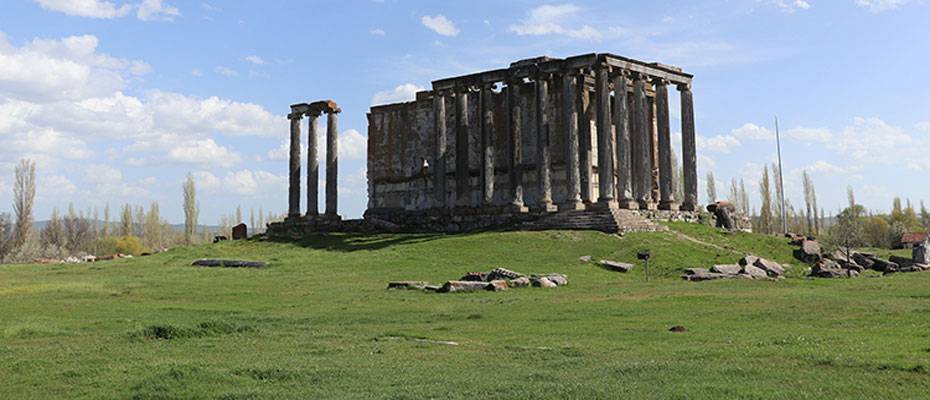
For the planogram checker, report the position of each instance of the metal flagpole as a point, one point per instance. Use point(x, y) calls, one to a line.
point(781, 179)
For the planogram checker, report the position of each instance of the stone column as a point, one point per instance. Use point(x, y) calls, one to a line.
point(313, 166)
point(605, 140)
point(515, 158)
point(293, 187)
point(642, 165)
point(666, 169)
point(332, 163)
point(462, 194)
point(688, 150)
point(487, 144)
point(621, 118)
point(584, 138)
point(543, 164)
point(439, 151)
point(570, 127)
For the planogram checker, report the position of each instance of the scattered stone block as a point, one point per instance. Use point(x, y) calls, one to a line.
point(920, 254)
point(558, 279)
point(615, 266)
point(462, 286)
point(772, 268)
point(754, 272)
point(502, 273)
point(474, 277)
point(584, 259)
point(542, 282)
point(809, 251)
point(748, 260)
point(407, 285)
point(497, 285)
point(240, 232)
point(729, 269)
point(519, 282)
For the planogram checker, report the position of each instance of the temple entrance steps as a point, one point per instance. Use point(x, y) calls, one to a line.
point(600, 219)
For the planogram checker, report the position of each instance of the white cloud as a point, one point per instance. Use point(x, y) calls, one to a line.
point(871, 139)
point(402, 93)
point(86, 8)
point(804, 134)
point(377, 32)
point(719, 143)
point(242, 182)
point(102, 174)
point(549, 19)
point(254, 59)
point(196, 72)
point(923, 126)
point(790, 6)
point(146, 10)
point(150, 10)
point(54, 186)
point(440, 24)
point(65, 69)
point(753, 132)
point(226, 71)
point(825, 168)
point(876, 6)
point(204, 151)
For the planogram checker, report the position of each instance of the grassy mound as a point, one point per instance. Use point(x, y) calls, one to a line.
point(318, 323)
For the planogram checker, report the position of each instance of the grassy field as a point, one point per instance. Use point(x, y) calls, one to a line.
point(318, 323)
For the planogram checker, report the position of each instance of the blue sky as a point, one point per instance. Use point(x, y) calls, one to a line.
point(118, 100)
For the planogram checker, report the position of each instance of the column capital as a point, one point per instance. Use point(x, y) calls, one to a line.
point(295, 115)
point(682, 87)
point(638, 76)
point(659, 81)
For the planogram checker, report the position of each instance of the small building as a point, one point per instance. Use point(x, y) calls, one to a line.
point(909, 240)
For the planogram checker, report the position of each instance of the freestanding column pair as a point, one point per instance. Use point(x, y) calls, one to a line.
point(313, 111)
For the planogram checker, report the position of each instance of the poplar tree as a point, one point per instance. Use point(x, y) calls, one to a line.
point(191, 209)
point(765, 212)
point(24, 194)
point(711, 188)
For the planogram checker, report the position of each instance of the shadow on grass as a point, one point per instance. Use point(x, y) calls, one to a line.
point(348, 242)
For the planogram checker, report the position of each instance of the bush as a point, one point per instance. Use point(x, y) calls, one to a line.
point(119, 245)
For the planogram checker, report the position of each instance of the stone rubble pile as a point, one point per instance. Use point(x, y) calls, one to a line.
point(494, 280)
point(748, 267)
point(840, 265)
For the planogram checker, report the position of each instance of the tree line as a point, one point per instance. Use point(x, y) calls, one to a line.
point(134, 229)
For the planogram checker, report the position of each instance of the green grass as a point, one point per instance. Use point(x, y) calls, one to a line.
point(318, 323)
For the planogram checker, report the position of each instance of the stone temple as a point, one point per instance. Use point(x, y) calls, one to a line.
point(577, 143)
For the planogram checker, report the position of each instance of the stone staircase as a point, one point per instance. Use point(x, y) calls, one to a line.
point(603, 219)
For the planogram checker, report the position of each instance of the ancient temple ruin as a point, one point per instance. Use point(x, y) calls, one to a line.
point(582, 143)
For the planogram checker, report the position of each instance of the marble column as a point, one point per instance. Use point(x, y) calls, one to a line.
point(621, 117)
point(570, 128)
point(462, 194)
point(666, 169)
point(439, 150)
point(293, 187)
point(487, 144)
point(688, 150)
point(584, 139)
point(332, 163)
point(313, 165)
point(641, 162)
point(543, 162)
point(515, 121)
point(605, 140)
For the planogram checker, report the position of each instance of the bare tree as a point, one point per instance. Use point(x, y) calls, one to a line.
point(252, 221)
point(139, 219)
point(191, 209)
point(238, 216)
point(261, 220)
point(24, 193)
point(777, 213)
point(711, 188)
point(734, 194)
point(151, 226)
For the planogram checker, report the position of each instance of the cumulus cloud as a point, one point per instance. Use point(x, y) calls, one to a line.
point(65, 69)
point(146, 10)
point(377, 32)
point(871, 139)
point(402, 93)
point(243, 182)
point(719, 143)
point(440, 24)
point(810, 134)
point(753, 132)
point(549, 19)
point(86, 8)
